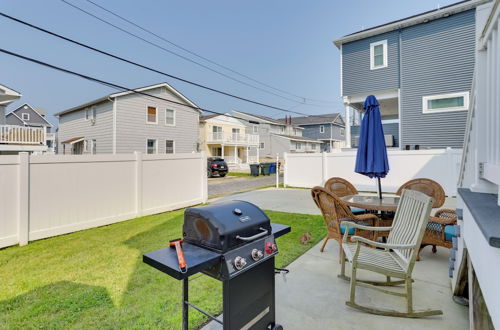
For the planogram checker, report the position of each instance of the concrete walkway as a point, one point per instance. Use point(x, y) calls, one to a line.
point(312, 297)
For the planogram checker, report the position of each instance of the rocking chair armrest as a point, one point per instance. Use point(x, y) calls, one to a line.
point(360, 239)
point(355, 225)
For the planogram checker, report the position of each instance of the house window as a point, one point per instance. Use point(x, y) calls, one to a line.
point(322, 129)
point(445, 102)
point(152, 118)
point(313, 146)
point(169, 148)
point(25, 116)
point(378, 55)
point(262, 145)
point(94, 147)
point(298, 145)
point(86, 146)
point(170, 117)
point(342, 132)
point(90, 113)
point(282, 129)
point(217, 151)
point(255, 129)
point(152, 148)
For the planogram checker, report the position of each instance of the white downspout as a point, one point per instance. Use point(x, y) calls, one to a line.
point(115, 101)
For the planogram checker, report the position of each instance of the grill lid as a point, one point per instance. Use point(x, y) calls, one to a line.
point(225, 226)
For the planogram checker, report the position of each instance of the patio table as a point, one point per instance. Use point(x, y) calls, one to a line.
point(387, 203)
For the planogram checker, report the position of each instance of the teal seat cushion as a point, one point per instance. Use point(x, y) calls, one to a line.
point(449, 232)
point(357, 210)
point(351, 230)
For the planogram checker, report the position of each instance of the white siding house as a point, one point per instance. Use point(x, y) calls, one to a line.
point(127, 122)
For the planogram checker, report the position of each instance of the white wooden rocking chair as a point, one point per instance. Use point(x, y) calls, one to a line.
point(395, 258)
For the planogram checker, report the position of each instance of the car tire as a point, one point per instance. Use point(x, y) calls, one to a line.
point(222, 175)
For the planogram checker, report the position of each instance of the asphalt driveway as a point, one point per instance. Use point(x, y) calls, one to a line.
point(231, 185)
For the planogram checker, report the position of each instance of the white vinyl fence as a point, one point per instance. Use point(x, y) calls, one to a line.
point(48, 195)
point(309, 170)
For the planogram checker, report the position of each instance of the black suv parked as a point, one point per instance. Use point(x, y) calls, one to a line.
point(216, 165)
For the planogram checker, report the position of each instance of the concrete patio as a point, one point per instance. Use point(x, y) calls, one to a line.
point(312, 297)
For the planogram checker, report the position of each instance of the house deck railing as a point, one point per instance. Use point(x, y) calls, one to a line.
point(12, 134)
point(234, 138)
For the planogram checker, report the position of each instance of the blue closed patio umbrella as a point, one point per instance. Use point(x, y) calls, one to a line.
point(371, 159)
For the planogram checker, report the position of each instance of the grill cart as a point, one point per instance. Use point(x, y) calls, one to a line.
point(235, 243)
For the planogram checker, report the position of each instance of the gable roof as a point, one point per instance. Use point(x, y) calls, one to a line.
point(15, 117)
point(8, 95)
point(266, 119)
point(36, 110)
point(141, 89)
point(315, 119)
point(411, 20)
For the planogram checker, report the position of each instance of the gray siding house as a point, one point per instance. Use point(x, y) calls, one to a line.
point(126, 122)
point(327, 128)
point(276, 137)
point(420, 69)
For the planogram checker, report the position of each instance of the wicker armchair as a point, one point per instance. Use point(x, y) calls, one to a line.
point(334, 211)
point(440, 228)
point(342, 187)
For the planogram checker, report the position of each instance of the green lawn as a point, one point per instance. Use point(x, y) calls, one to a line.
point(96, 278)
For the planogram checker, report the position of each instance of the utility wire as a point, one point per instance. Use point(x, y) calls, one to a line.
point(305, 99)
point(112, 85)
point(186, 58)
point(147, 67)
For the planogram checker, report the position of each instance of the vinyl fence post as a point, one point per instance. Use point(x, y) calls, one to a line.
point(138, 183)
point(323, 168)
point(285, 170)
point(24, 198)
point(204, 179)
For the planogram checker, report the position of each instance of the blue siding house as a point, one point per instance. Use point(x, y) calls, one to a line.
point(327, 128)
point(420, 68)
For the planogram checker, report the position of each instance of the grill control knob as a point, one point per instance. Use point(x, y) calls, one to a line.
point(257, 254)
point(239, 263)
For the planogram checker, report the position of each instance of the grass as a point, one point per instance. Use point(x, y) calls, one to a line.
point(96, 278)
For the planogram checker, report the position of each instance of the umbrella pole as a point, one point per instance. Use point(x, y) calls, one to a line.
point(379, 189)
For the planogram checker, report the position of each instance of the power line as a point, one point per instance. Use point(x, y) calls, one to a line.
point(201, 56)
point(112, 85)
point(147, 67)
point(184, 57)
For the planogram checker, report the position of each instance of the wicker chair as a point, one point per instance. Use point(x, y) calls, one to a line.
point(342, 187)
point(440, 228)
point(334, 211)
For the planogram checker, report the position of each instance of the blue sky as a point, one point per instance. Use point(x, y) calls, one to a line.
point(285, 44)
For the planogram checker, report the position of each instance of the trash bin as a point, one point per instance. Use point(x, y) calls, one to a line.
point(272, 168)
point(254, 169)
point(264, 168)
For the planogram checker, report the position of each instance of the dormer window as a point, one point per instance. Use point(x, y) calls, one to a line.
point(378, 55)
point(25, 116)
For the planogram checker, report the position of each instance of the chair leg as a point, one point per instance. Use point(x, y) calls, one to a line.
point(324, 243)
point(409, 297)
point(341, 253)
point(353, 285)
point(434, 249)
point(342, 267)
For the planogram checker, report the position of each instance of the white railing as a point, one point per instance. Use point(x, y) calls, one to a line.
point(233, 138)
point(480, 166)
point(12, 134)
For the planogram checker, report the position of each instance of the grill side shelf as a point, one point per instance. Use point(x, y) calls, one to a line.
point(280, 230)
point(197, 260)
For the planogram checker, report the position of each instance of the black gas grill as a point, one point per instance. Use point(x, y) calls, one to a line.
point(233, 242)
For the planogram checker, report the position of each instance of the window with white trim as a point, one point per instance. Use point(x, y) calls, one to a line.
point(152, 115)
point(262, 145)
point(378, 55)
point(94, 146)
point(445, 102)
point(342, 132)
point(322, 129)
point(313, 146)
point(255, 129)
point(170, 117)
point(298, 145)
point(152, 146)
point(25, 116)
point(169, 147)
